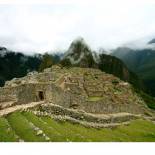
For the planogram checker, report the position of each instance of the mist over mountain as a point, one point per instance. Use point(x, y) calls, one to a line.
point(151, 41)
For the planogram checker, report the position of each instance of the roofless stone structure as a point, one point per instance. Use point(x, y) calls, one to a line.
point(84, 89)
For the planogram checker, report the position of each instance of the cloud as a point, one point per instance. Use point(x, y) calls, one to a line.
point(52, 25)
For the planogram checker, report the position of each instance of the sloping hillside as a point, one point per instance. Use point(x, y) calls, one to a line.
point(141, 62)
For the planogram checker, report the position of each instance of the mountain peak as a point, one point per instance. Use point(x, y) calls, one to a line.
point(3, 51)
point(79, 53)
point(78, 46)
point(3, 48)
point(152, 41)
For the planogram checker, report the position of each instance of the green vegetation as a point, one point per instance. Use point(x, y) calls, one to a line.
point(94, 98)
point(68, 132)
point(48, 130)
point(112, 65)
point(149, 100)
point(115, 81)
point(141, 62)
point(65, 63)
point(6, 133)
point(14, 64)
point(46, 62)
point(21, 126)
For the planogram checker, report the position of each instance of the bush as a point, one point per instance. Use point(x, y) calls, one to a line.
point(46, 62)
point(65, 63)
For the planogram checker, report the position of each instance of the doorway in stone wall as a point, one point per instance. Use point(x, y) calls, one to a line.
point(41, 95)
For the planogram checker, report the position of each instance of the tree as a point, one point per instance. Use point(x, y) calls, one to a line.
point(46, 62)
point(65, 63)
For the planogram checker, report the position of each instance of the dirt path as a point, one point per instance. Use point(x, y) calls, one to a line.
point(19, 107)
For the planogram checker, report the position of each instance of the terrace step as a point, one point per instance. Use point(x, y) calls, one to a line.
point(89, 124)
point(81, 117)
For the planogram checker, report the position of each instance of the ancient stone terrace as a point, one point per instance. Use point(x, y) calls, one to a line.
point(78, 88)
point(73, 94)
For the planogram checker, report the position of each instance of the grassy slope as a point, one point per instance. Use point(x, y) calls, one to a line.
point(48, 130)
point(138, 130)
point(22, 127)
point(6, 133)
point(149, 100)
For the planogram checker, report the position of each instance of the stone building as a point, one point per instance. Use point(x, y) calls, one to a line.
point(85, 89)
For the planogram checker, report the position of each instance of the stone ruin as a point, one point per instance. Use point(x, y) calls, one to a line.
point(85, 89)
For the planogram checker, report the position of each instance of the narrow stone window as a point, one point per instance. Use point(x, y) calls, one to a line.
point(41, 95)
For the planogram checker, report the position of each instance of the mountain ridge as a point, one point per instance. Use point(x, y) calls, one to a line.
point(141, 62)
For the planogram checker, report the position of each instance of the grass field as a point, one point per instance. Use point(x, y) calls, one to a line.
point(28, 127)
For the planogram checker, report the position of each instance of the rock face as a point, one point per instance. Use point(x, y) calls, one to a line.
point(85, 89)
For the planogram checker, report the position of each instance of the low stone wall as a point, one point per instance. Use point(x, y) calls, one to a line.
point(83, 116)
point(84, 123)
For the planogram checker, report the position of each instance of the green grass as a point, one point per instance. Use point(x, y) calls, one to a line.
point(6, 133)
point(23, 128)
point(61, 127)
point(50, 131)
point(20, 124)
point(94, 98)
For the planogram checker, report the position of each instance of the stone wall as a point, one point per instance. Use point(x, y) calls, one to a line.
point(80, 115)
point(101, 107)
point(73, 88)
point(7, 94)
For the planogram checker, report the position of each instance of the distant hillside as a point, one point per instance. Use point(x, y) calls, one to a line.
point(115, 66)
point(16, 64)
point(151, 41)
point(141, 62)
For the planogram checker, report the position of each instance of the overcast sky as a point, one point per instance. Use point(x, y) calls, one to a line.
point(46, 26)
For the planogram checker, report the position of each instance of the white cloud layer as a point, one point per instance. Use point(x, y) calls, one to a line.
point(41, 26)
